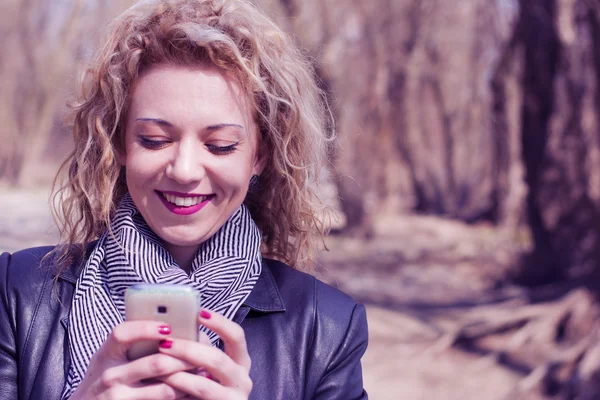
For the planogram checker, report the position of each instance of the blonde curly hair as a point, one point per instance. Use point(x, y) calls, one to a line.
point(291, 112)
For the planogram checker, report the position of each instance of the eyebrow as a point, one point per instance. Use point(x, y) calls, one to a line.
point(162, 122)
point(221, 126)
point(156, 121)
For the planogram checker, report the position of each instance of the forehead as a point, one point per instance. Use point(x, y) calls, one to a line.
point(190, 96)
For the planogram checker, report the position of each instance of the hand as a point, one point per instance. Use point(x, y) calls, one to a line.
point(229, 371)
point(111, 375)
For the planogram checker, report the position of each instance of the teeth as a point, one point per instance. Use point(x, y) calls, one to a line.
point(184, 201)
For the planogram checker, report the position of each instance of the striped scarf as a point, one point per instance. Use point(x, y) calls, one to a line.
point(224, 271)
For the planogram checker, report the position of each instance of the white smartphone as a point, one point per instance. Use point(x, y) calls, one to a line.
point(177, 305)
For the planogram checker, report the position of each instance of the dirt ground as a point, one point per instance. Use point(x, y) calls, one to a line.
point(412, 269)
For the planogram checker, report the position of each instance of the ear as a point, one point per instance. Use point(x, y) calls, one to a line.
point(119, 151)
point(260, 160)
point(120, 156)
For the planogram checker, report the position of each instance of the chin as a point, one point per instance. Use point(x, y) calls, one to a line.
point(184, 241)
point(184, 238)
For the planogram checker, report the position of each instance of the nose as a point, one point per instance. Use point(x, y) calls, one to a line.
point(185, 166)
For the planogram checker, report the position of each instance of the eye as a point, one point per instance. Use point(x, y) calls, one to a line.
point(152, 144)
point(222, 150)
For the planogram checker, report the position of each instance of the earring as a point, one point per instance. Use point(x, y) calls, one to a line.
point(253, 184)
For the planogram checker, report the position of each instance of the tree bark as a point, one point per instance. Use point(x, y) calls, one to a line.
point(560, 138)
point(414, 107)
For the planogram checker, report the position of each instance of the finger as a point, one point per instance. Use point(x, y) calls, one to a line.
point(203, 338)
point(231, 333)
point(216, 362)
point(199, 387)
point(124, 335)
point(155, 391)
point(151, 366)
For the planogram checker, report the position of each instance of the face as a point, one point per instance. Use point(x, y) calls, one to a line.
point(190, 151)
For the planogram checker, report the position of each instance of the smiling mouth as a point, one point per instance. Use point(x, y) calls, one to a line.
point(187, 201)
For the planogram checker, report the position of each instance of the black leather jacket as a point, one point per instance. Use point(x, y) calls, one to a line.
point(305, 338)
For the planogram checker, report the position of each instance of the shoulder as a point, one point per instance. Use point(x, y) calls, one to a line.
point(296, 285)
point(26, 267)
point(26, 256)
point(332, 310)
point(27, 271)
point(23, 268)
point(331, 328)
point(22, 283)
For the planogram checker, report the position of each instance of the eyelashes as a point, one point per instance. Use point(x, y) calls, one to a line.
point(222, 150)
point(151, 144)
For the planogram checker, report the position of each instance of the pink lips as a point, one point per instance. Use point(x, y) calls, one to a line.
point(182, 210)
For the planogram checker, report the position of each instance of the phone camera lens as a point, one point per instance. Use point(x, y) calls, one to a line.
point(162, 309)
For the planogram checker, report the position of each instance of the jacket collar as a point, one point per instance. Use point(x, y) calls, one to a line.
point(265, 297)
point(70, 274)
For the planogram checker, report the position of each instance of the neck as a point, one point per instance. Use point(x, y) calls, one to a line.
point(183, 255)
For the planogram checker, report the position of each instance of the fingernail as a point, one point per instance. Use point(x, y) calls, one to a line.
point(166, 344)
point(205, 373)
point(204, 314)
point(164, 329)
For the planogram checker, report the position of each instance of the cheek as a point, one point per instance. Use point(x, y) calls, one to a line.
point(140, 169)
point(231, 182)
point(235, 176)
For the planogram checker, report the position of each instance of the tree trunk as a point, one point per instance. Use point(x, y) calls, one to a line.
point(414, 107)
point(561, 147)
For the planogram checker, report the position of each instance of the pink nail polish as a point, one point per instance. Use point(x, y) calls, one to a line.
point(204, 314)
point(164, 329)
point(166, 344)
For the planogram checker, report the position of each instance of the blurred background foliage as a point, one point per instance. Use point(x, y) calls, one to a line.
point(479, 112)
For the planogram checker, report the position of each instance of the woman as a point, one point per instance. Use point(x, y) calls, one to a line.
point(198, 138)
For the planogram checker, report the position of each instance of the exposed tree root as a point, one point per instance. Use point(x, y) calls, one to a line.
point(556, 344)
